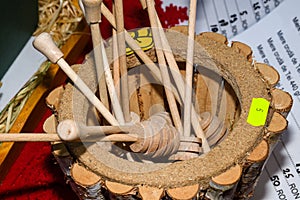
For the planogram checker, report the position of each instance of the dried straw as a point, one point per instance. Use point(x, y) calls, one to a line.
point(59, 18)
point(11, 111)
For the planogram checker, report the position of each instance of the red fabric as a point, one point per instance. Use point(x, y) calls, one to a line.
point(35, 174)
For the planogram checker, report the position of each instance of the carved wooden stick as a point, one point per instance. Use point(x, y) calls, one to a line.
point(163, 67)
point(180, 85)
point(150, 134)
point(93, 17)
point(137, 49)
point(45, 45)
point(116, 64)
point(150, 64)
point(69, 130)
point(112, 90)
point(143, 3)
point(189, 70)
point(132, 44)
point(122, 58)
point(32, 137)
point(53, 137)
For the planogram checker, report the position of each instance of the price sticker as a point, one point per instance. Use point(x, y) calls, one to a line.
point(258, 112)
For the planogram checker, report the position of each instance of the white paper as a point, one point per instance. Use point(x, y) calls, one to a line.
point(228, 17)
point(276, 40)
point(22, 69)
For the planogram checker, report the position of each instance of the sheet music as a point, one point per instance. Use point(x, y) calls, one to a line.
point(275, 40)
point(228, 17)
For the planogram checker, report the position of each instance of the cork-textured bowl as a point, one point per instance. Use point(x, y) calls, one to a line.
point(235, 65)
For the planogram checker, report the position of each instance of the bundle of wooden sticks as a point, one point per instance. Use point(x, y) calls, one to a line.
point(180, 93)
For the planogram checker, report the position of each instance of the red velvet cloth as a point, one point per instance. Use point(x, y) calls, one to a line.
point(35, 174)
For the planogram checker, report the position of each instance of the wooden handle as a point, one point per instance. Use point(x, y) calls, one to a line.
point(53, 137)
point(69, 130)
point(155, 70)
point(46, 46)
point(122, 58)
point(163, 65)
point(111, 88)
point(189, 68)
point(180, 84)
point(32, 137)
point(154, 137)
point(93, 17)
point(92, 10)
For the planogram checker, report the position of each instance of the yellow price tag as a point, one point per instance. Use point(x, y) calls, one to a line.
point(258, 112)
point(143, 37)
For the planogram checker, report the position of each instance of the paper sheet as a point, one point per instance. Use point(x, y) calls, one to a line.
point(228, 17)
point(22, 69)
point(276, 40)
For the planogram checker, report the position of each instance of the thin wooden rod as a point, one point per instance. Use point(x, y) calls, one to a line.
point(70, 130)
point(122, 58)
point(189, 70)
point(180, 86)
point(154, 69)
point(95, 32)
point(133, 44)
point(116, 64)
point(93, 17)
point(29, 137)
point(111, 88)
point(53, 137)
point(163, 67)
point(45, 45)
point(88, 93)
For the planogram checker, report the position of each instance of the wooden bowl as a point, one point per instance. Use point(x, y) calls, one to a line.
point(230, 168)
